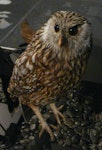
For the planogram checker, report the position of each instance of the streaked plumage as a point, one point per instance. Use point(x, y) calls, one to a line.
point(53, 63)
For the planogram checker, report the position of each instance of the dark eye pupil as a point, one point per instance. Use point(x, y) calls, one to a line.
point(56, 27)
point(73, 31)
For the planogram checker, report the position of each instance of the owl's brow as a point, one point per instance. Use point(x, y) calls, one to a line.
point(73, 17)
point(75, 25)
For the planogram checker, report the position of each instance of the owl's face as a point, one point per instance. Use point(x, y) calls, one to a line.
point(67, 30)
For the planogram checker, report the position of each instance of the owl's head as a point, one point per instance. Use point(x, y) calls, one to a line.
point(67, 30)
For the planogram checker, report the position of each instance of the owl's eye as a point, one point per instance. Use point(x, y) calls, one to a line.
point(57, 28)
point(73, 30)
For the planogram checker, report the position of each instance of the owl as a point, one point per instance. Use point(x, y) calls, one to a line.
point(52, 64)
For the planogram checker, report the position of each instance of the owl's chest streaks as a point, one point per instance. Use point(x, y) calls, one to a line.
point(52, 80)
point(47, 74)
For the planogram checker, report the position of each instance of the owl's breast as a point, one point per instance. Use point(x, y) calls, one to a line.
point(71, 72)
point(49, 78)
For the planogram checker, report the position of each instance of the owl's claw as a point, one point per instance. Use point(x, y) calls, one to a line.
point(57, 113)
point(46, 127)
point(58, 116)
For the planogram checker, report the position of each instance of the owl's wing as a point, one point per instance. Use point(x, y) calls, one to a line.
point(26, 73)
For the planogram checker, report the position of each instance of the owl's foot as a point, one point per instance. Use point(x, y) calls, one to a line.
point(45, 127)
point(57, 113)
point(43, 123)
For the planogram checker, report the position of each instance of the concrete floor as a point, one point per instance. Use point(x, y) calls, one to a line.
point(38, 11)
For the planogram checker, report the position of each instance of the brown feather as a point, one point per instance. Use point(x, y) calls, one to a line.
point(26, 32)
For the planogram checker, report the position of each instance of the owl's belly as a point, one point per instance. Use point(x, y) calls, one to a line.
point(54, 83)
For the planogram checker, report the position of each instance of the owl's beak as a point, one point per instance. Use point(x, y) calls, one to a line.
point(62, 41)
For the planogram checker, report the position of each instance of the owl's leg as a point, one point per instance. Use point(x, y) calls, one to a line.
point(42, 121)
point(57, 113)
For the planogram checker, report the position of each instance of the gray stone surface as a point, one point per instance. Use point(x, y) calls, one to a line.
point(37, 12)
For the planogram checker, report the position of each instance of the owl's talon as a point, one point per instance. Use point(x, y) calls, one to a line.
point(57, 113)
point(54, 127)
point(46, 127)
point(60, 107)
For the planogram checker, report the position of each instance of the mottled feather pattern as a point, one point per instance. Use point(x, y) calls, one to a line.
point(53, 62)
point(39, 69)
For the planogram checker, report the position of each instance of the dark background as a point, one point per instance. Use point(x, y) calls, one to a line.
point(38, 11)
